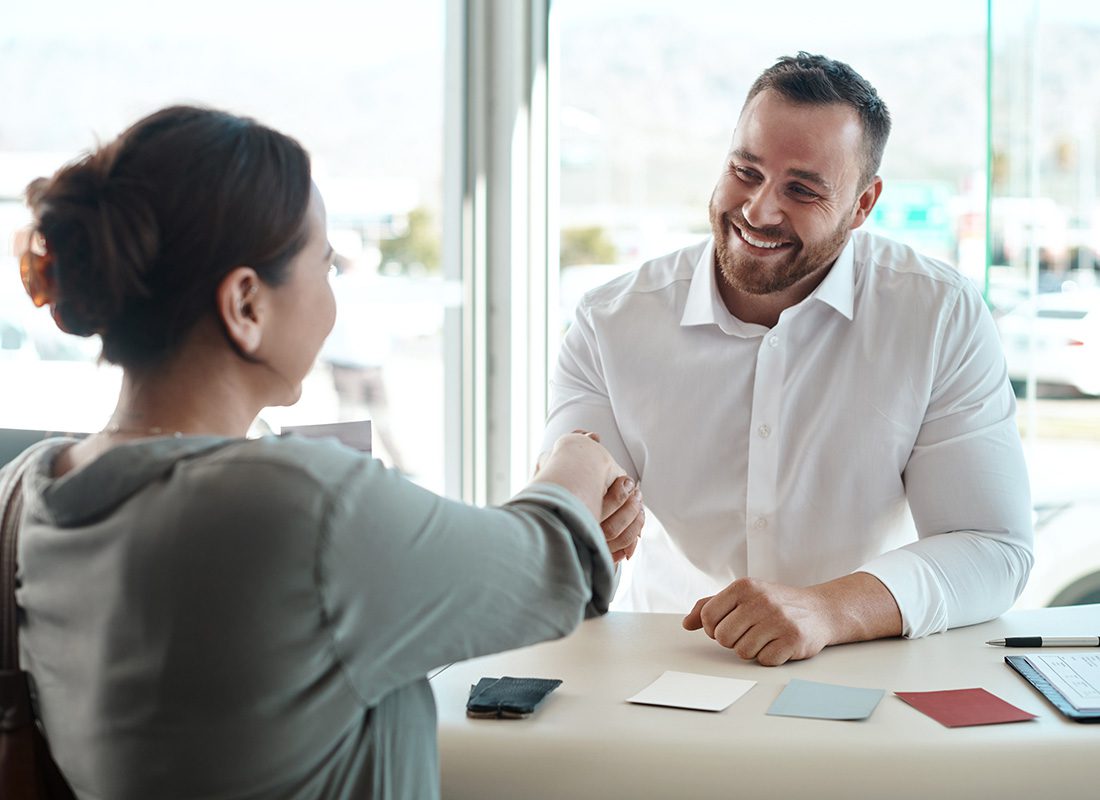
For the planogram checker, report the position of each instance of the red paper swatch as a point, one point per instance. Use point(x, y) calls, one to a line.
point(956, 708)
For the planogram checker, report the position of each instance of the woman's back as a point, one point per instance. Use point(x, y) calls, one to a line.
point(235, 618)
point(209, 616)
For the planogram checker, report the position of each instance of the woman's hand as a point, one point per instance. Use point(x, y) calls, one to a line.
point(581, 465)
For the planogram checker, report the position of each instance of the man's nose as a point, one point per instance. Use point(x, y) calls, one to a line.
point(762, 208)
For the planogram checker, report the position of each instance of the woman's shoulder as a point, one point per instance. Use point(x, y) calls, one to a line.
point(325, 461)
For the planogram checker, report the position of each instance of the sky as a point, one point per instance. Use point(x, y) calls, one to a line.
point(377, 30)
point(367, 21)
point(807, 20)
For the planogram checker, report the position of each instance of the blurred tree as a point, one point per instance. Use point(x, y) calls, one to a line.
point(418, 245)
point(586, 245)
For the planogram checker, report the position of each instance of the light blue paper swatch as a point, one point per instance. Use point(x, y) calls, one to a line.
point(825, 701)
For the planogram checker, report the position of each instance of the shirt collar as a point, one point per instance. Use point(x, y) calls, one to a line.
point(698, 307)
point(839, 287)
point(704, 306)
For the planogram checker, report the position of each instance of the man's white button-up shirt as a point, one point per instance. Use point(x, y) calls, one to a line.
point(872, 429)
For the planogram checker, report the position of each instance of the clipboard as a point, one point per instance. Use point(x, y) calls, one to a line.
point(1021, 665)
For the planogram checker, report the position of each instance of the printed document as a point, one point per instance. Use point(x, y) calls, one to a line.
point(1075, 675)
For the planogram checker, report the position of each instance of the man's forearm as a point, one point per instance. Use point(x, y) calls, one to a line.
point(774, 623)
point(859, 607)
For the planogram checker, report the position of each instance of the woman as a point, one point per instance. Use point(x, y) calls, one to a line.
point(210, 616)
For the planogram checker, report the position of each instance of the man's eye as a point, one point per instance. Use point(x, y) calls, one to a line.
point(745, 174)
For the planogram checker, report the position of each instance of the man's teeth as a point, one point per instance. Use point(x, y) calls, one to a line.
point(757, 242)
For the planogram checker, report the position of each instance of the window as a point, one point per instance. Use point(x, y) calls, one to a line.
point(359, 83)
point(643, 98)
point(649, 94)
point(1044, 256)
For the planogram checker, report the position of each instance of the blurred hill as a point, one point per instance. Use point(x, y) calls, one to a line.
point(653, 101)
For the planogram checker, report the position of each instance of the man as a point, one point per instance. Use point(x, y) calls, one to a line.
point(795, 394)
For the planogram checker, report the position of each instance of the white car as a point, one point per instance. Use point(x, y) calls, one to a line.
point(1067, 556)
point(1056, 336)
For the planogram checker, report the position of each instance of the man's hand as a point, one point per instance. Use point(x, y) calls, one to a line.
point(622, 517)
point(775, 624)
point(765, 621)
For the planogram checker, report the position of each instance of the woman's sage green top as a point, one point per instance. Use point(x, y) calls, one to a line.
point(225, 618)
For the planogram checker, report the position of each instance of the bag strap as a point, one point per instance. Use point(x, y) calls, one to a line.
point(11, 510)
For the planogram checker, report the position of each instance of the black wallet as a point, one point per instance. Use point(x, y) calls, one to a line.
point(508, 698)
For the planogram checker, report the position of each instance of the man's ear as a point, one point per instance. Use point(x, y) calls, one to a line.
point(865, 202)
point(240, 305)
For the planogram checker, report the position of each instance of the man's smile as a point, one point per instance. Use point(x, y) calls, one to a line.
point(755, 242)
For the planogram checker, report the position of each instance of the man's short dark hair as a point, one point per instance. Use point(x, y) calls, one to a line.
point(817, 80)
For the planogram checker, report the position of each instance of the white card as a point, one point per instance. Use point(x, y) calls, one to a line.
point(356, 434)
point(689, 690)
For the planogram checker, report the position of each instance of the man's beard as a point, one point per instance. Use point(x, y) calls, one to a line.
point(760, 276)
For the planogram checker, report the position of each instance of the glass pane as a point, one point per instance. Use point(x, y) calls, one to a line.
point(359, 83)
point(1045, 254)
point(649, 95)
point(650, 91)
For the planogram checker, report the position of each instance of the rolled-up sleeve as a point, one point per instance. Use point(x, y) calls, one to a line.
point(967, 486)
point(410, 581)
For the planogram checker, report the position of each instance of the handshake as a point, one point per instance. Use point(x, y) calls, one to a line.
point(580, 464)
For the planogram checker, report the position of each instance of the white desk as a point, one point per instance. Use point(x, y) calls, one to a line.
point(587, 742)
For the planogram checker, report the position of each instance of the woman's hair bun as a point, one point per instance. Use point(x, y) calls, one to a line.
point(103, 237)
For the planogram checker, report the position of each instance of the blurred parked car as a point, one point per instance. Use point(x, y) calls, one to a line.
point(1056, 336)
point(1067, 556)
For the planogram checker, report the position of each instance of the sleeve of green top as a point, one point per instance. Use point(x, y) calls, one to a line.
point(411, 581)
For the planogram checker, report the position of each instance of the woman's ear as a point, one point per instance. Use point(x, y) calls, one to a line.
point(240, 305)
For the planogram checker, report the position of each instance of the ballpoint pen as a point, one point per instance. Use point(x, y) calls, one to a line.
point(1047, 641)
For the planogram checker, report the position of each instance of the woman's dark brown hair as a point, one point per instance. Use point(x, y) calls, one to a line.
point(142, 231)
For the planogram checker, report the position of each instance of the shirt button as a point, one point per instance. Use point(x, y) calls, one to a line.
point(773, 341)
point(764, 431)
point(760, 523)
